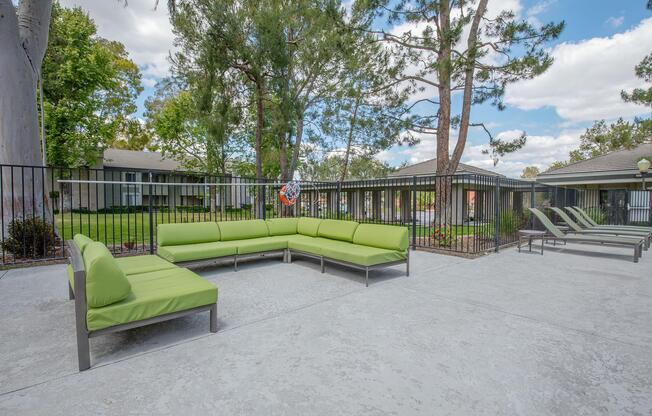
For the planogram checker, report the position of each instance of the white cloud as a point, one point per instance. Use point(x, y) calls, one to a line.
point(585, 81)
point(615, 22)
point(145, 32)
point(149, 82)
point(538, 151)
point(533, 12)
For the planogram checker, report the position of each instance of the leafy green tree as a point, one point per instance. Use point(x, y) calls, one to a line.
point(530, 172)
point(89, 86)
point(133, 135)
point(329, 168)
point(557, 165)
point(602, 138)
point(641, 96)
point(455, 48)
point(458, 49)
point(232, 41)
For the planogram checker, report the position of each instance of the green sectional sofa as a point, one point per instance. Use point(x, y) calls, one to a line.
point(116, 294)
point(361, 246)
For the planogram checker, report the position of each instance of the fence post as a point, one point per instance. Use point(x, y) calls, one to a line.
point(533, 195)
point(151, 219)
point(414, 212)
point(263, 197)
point(497, 214)
point(338, 198)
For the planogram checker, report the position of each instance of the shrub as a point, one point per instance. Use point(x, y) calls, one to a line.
point(596, 214)
point(443, 236)
point(31, 237)
point(508, 223)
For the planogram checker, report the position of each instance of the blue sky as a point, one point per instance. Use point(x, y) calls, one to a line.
point(594, 60)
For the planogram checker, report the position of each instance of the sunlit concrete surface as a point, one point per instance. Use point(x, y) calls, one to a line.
point(566, 333)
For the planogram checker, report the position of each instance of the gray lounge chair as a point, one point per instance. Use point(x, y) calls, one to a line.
point(576, 228)
point(557, 234)
point(588, 222)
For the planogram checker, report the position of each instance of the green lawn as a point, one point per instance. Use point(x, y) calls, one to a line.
point(116, 229)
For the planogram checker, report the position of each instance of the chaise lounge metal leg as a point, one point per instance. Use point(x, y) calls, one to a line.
point(289, 256)
point(71, 294)
point(366, 276)
point(407, 264)
point(235, 263)
point(323, 269)
point(214, 318)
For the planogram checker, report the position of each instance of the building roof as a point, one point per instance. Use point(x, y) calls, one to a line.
point(620, 160)
point(133, 159)
point(429, 167)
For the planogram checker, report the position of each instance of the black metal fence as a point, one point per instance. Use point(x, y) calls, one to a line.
point(43, 207)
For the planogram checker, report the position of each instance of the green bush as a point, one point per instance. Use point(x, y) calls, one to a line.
point(508, 224)
point(596, 214)
point(31, 237)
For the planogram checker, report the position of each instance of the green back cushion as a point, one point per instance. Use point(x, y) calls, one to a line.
point(282, 226)
point(337, 230)
point(308, 226)
point(105, 281)
point(389, 237)
point(81, 241)
point(187, 233)
point(242, 230)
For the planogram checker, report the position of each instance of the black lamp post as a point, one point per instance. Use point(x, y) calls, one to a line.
point(643, 167)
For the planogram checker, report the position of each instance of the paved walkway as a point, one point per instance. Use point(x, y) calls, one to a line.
point(566, 333)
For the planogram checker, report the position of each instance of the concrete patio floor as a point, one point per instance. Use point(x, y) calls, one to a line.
point(566, 333)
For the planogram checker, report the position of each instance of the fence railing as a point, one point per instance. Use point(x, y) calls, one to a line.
point(43, 207)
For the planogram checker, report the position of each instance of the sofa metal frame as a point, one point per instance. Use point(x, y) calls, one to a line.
point(287, 258)
point(366, 269)
point(192, 264)
point(81, 308)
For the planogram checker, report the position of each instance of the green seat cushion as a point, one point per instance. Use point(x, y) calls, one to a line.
point(199, 251)
point(187, 233)
point(133, 265)
point(143, 264)
point(337, 229)
point(357, 254)
point(257, 245)
point(155, 294)
point(282, 226)
point(242, 230)
point(82, 241)
point(106, 283)
point(304, 243)
point(308, 226)
point(390, 237)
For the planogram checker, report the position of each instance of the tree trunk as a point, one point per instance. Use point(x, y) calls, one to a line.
point(23, 38)
point(443, 184)
point(468, 86)
point(259, 147)
point(283, 155)
point(347, 155)
point(296, 150)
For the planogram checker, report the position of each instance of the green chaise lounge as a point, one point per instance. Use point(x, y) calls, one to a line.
point(557, 234)
point(114, 295)
point(575, 228)
point(586, 220)
point(361, 246)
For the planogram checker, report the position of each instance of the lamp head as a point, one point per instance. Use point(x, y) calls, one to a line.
point(643, 165)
